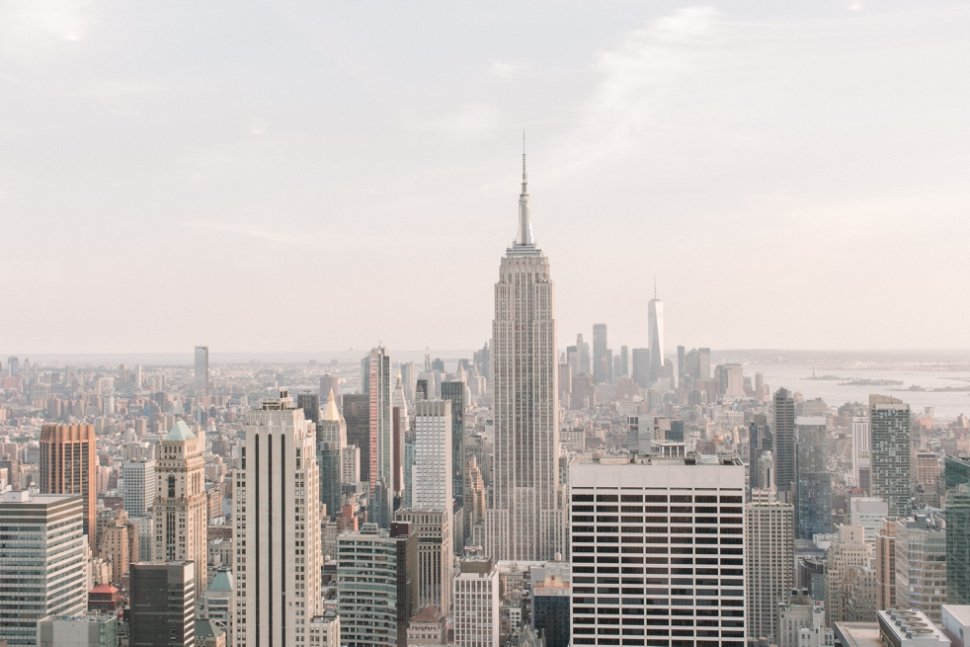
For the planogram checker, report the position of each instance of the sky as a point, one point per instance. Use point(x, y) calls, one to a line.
point(305, 176)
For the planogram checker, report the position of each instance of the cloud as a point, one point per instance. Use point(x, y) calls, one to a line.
point(506, 70)
point(256, 232)
point(468, 123)
point(43, 27)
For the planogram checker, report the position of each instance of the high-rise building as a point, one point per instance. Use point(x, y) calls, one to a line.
point(760, 440)
point(455, 393)
point(473, 507)
point(162, 604)
point(380, 471)
point(770, 578)
point(310, 403)
point(801, 623)
point(890, 453)
point(435, 556)
point(356, 411)
point(921, 565)
point(860, 448)
point(927, 479)
point(582, 347)
point(680, 526)
point(476, 599)
point(202, 369)
point(623, 368)
point(89, 630)
point(377, 585)
point(784, 407)
point(656, 329)
point(551, 600)
point(43, 571)
point(431, 484)
point(400, 426)
point(69, 465)
point(331, 443)
point(813, 481)
point(641, 366)
point(276, 528)
point(140, 484)
point(601, 361)
point(846, 563)
point(956, 476)
point(886, 565)
point(180, 512)
point(526, 519)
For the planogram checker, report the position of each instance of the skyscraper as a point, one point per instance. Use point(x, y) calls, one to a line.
point(163, 597)
point(43, 571)
point(656, 329)
point(771, 568)
point(681, 534)
point(431, 484)
point(455, 393)
point(890, 453)
point(356, 411)
point(380, 471)
point(760, 440)
point(813, 481)
point(331, 441)
point(476, 599)
point(69, 465)
point(276, 528)
point(202, 369)
point(784, 452)
point(526, 519)
point(956, 475)
point(921, 565)
point(180, 512)
point(601, 351)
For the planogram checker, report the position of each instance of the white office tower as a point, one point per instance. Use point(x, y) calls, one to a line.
point(525, 522)
point(655, 324)
point(921, 565)
point(431, 484)
point(276, 516)
point(671, 533)
point(860, 449)
point(476, 598)
point(181, 506)
point(770, 540)
point(139, 487)
point(43, 571)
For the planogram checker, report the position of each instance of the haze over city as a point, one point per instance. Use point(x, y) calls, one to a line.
point(321, 176)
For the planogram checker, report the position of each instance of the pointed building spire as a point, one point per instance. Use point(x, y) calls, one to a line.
point(525, 227)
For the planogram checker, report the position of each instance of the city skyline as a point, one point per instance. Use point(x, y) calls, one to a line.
point(703, 136)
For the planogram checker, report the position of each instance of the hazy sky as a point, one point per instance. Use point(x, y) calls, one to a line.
point(277, 176)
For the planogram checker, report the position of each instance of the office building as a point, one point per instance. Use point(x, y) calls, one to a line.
point(868, 512)
point(377, 585)
point(641, 366)
point(219, 602)
point(181, 514)
point(655, 324)
point(140, 485)
point(454, 392)
point(310, 403)
point(89, 630)
point(784, 409)
point(886, 565)
point(760, 440)
point(860, 451)
point(356, 412)
point(921, 581)
point(435, 556)
point(69, 465)
point(380, 470)
point(331, 445)
point(770, 578)
point(890, 453)
point(162, 610)
point(551, 601)
point(432, 481)
point(476, 600)
point(202, 369)
point(526, 519)
point(673, 529)
point(601, 361)
point(927, 472)
point(847, 564)
point(813, 481)
point(276, 520)
point(43, 570)
point(956, 475)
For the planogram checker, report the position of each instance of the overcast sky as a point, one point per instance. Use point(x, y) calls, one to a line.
point(281, 176)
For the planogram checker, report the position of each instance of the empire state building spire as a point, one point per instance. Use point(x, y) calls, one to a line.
point(525, 227)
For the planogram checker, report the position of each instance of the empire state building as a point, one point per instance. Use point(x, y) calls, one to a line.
point(525, 521)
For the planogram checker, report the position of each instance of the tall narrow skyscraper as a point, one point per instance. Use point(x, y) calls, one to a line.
point(276, 520)
point(656, 329)
point(377, 386)
point(601, 363)
point(526, 519)
point(331, 443)
point(69, 465)
point(784, 406)
point(181, 514)
point(202, 369)
point(455, 393)
point(890, 453)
